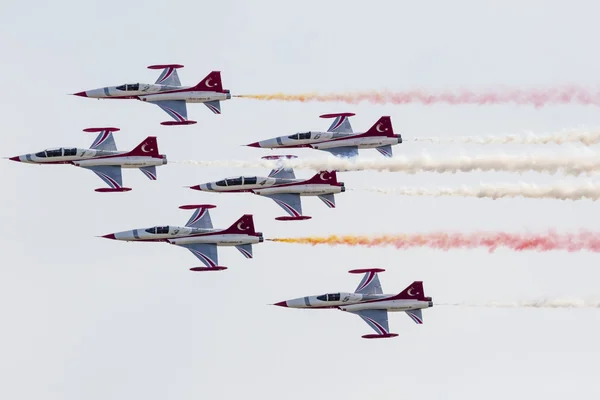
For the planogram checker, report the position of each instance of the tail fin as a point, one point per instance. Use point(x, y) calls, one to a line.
point(383, 127)
point(211, 83)
point(413, 292)
point(149, 148)
point(244, 225)
point(329, 177)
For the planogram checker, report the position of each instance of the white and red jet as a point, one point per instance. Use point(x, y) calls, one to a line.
point(168, 93)
point(199, 236)
point(103, 158)
point(369, 302)
point(339, 139)
point(282, 186)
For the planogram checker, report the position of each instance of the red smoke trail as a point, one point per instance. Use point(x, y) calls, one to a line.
point(536, 97)
point(550, 241)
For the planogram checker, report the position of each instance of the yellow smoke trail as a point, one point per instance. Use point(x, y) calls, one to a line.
point(536, 97)
point(549, 241)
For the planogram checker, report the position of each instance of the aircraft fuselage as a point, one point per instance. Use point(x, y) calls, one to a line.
point(91, 158)
point(186, 235)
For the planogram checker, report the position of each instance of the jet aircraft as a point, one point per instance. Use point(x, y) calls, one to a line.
point(103, 158)
point(282, 186)
point(199, 236)
point(168, 93)
point(369, 302)
point(340, 140)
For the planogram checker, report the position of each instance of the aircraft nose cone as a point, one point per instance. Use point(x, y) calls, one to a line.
point(15, 158)
point(255, 144)
point(110, 236)
point(80, 94)
point(196, 187)
point(281, 304)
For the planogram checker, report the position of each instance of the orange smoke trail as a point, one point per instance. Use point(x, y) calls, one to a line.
point(571, 242)
point(535, 97)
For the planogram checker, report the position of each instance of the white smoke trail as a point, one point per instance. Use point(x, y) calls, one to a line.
point(585, 138)
point(573, 165)
point(559, 191)
point(542, 303)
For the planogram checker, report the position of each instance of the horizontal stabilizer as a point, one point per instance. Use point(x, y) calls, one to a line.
point(328, 199)
point(416, 315)
point(214, 106)
point(150, 172)
point(385, 150)
point(245, 249)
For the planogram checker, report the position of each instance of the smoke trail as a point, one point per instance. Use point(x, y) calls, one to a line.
point(573, 165)
point(559, 191)
point(585, 138)
point(542, 303)
point(535, 97)
point(550, 241)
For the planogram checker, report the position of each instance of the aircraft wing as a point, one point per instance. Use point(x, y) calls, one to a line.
point(111, 174)
point(205, 252)
point(104, 140)
point(344, 151)
point(284, 173)
point(175, 108)
point(341, 124)
point(200, 219)
point(169, 74)
point(291, 203)
point(370, 282)
point(376, 319)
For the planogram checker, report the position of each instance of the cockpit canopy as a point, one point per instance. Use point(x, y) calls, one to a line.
point(237, 181)
point(158, 230)
point(129, 87)
point(329, 297)
point(60, 152)
point(301, 136)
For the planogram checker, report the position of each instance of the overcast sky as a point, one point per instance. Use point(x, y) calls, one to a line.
point(88, 318)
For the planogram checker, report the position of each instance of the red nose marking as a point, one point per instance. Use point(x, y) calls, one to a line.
point(81, 94)
point(255, 144)
point(15, 158)
point(281, 304)
point(197, 187)
point(109, 236)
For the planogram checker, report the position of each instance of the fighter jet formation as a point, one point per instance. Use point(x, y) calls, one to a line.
point(281, 185)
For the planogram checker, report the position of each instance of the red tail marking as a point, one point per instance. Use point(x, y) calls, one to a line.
point(148, 148)
point(383, 127)
point(244, 225)
point(329, 177)
point(413, 292)
point(211, 83)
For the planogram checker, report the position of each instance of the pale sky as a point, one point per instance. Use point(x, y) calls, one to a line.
point(88, 318)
